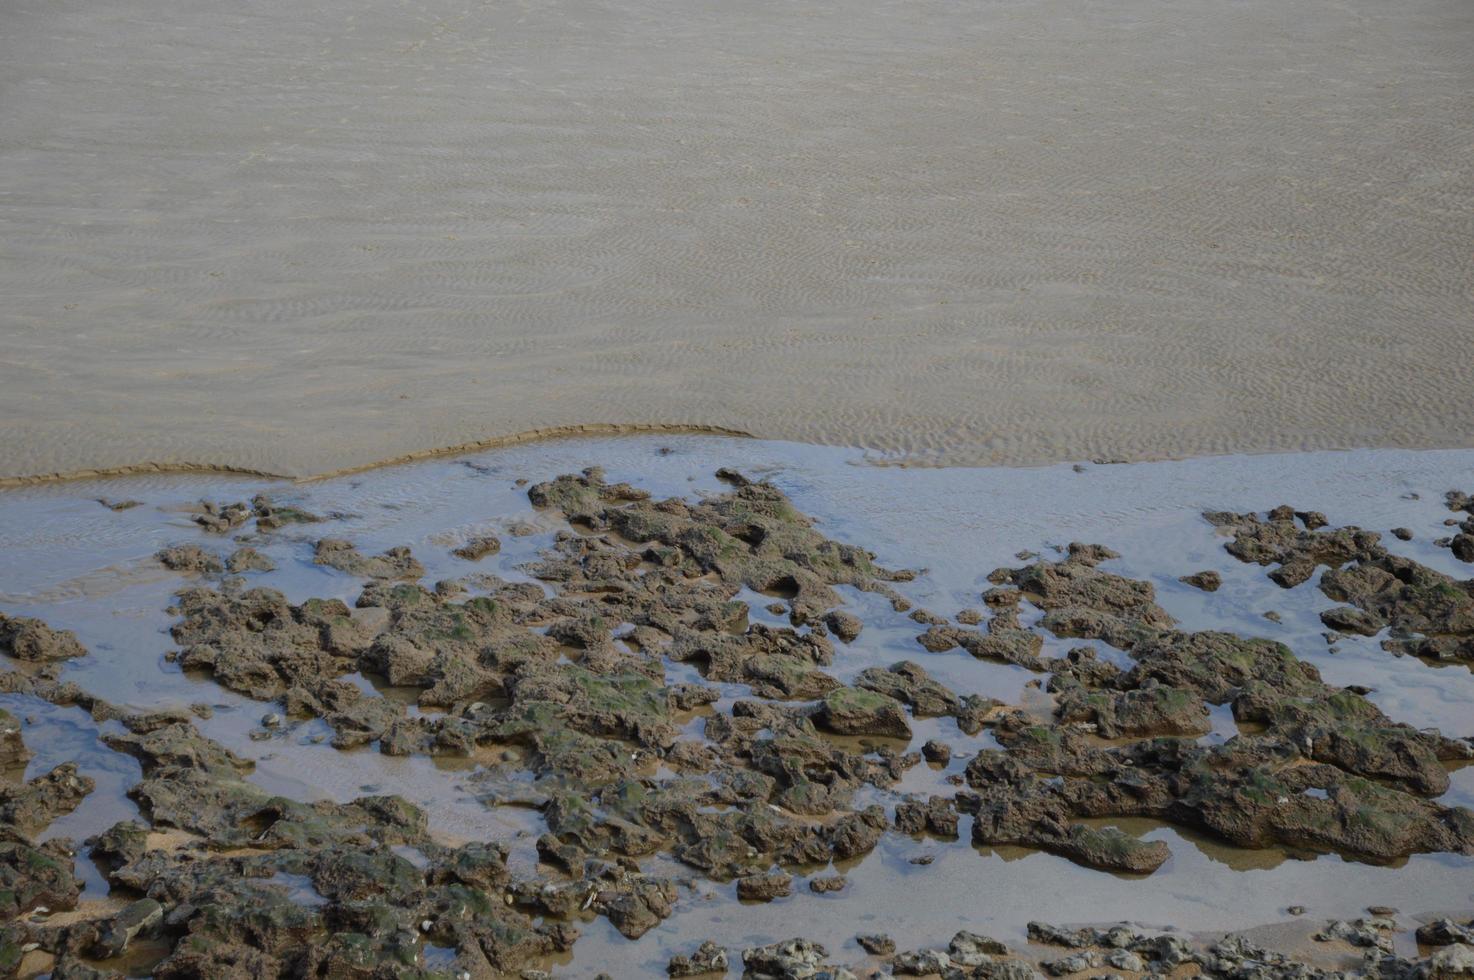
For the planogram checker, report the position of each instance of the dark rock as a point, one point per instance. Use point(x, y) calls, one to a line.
point(118, 931)
point(708, 958)
point(1208, 581)
point(13, 751)
point(244, 560)
point(937, 753)
point(190, 558)
point(856, 711)
point(764, 888)
point(844, 625)
point(479, 547)
point(396, 563)
point(30, 639)
point(1348, 619)
point(792, 959)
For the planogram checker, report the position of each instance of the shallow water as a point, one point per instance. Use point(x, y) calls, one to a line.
point(297, 238)
point(81, 566)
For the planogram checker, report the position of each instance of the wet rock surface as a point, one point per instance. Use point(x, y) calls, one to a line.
point(25, 638)
point(629, 697)
point(1424, 612)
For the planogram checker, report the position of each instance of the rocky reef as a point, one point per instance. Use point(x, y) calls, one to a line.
point(561, 689)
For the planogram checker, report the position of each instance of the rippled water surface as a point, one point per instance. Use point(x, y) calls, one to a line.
point(298, 237)
point(82, 566)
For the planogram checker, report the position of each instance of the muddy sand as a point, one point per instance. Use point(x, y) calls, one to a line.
point(705, 706)
point(295, 239)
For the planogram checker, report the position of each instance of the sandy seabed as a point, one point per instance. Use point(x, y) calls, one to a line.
point(294, 239)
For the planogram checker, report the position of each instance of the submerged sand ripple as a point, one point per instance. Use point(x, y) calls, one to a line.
point(293, 240)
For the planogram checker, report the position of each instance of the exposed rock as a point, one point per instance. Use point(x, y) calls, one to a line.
point(33, 876)
point(909, 683)
point(244, 560)
point(1428, 613)
point(1208, 581)
point(220, 518)
point(828, 884)
point(271, 515)
point(190, 558)
point(938, 815)
point(13, 751)
point(844, 625)
point(1375, 933)
point(30, 807)
point(920, 963)
point(937, 753)
point(792, 959)
point(1462, 546)
point(1074, 963)
point(857, 711)
point(1446, 932)
point(764, 888)
point(1452, 961)
point(396, 563)
point(708, 958)
point(118, 931)
point(30, 639)
point(562, 692)
point(479, 547)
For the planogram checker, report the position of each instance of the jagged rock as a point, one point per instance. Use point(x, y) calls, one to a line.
point(1074, 963)
point(1374, 933)
point(708, 958)
point(938, 753)
point(190, 558)
point(764, 888)
point(39, 875)
point(1445, 932)
point(479, 547)
point(30, 808)
point(938, 815)
point(118, 931)
point(909, 683)
point(920, 963)
point(13, 751)
point(844, 625)
point(396, 563)
point(1208, 581)
point(1452, 961)
point(856, 711)
point(792, 959)
point(244, 560)
point(30, 639)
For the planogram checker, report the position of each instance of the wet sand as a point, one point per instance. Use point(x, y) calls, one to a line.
point(84, 567)
point(295, 239)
